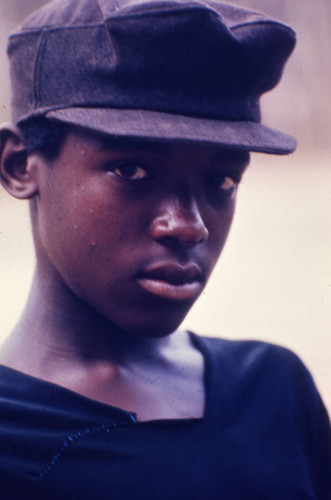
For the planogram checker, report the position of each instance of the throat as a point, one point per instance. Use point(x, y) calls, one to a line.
point(152, 393)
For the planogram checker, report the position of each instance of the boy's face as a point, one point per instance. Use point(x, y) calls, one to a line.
point(134, 230)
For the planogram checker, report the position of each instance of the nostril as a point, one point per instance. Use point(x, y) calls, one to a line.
point(169, 242)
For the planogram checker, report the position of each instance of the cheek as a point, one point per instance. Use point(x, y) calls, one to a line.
point(66, 225)
point(86, 231)
point(219, 224)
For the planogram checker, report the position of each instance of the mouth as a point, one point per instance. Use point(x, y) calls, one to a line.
point(172, 281)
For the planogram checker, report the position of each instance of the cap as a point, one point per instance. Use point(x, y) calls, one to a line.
point(177, 70)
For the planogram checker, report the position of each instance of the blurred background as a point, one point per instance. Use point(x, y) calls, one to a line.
point(273, 281)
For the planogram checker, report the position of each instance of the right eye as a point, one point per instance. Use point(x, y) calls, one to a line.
point(132, 172)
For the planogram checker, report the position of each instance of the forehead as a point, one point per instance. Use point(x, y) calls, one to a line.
point(78, 138)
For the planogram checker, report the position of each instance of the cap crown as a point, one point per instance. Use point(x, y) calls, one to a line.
point(190, 58)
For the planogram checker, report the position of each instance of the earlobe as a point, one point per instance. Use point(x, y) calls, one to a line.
point(15, 174)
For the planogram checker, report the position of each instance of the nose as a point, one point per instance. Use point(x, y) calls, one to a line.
point(179, 224)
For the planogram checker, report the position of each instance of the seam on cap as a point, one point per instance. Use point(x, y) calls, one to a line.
point(262, 22)
point(133, 10)
point(161, 12)
point(37, 72)
point(99, 8)
point(115, 7)
point(117, 15)
point(49, 29)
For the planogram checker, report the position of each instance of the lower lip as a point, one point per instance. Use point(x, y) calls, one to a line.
point(169, 291)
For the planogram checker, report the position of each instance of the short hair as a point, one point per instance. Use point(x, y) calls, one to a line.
point(43, 136)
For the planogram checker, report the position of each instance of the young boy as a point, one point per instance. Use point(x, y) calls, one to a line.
point(133, 126)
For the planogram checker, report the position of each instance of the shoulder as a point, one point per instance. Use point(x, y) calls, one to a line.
point(267, 398)
point(269, 371)
point(251, 355)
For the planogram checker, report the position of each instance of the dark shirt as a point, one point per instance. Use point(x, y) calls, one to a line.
point(265, 435)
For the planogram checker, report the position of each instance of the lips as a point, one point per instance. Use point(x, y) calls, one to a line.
point(172, 281)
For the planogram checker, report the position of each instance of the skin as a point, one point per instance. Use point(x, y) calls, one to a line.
point(105, 215)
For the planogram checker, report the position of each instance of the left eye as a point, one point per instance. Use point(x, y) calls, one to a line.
point(131, 172)
point(224, 183)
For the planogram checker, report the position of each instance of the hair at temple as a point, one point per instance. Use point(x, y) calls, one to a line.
point(43, 136)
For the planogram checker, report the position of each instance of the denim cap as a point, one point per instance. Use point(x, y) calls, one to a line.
point(177, 70)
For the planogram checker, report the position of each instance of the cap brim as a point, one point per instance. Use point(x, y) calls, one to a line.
point(155, 126)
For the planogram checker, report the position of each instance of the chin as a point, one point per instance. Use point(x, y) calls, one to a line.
point(153, 330)
point(156, 324)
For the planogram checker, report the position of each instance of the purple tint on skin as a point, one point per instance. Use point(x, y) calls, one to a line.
point(137, 207)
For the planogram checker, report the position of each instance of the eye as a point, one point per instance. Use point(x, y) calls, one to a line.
point(130, 171)
point(226, 184)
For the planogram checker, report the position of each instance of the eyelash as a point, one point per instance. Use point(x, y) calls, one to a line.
point(130, 168)
point(215, 182)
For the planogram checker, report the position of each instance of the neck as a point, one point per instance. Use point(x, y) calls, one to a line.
point(56, 326)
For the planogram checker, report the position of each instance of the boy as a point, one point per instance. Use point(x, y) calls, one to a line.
point(133, 126)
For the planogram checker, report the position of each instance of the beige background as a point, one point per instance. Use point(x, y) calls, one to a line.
point(273, 281)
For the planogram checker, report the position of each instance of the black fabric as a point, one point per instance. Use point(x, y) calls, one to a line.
point(265, 435)
point(200, 60)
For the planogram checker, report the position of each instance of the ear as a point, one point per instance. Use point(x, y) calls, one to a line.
point(16, 174)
